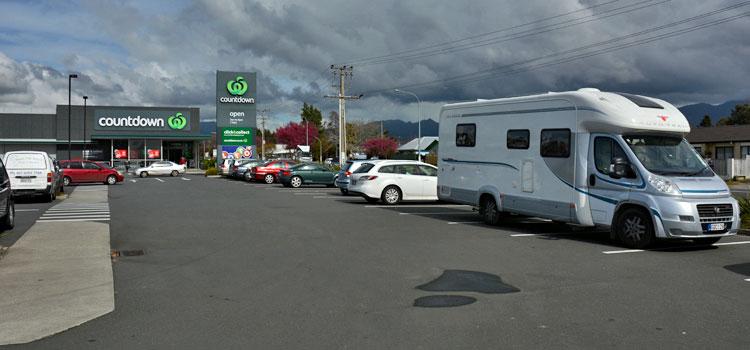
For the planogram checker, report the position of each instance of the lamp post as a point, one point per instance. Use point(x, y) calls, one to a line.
point(70, 78)
point(419, 121)
point(85, 99)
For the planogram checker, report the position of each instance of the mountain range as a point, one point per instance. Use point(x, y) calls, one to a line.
point(695, 112)
point(405, 131)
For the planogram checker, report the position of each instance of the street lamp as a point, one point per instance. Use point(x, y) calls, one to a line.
point(70, 78)
point(419, 122)
point(83, 154)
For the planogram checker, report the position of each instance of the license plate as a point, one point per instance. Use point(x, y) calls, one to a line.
point(25, 181)
point(717, 227)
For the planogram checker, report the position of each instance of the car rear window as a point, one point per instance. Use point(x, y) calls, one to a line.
point(365, 167)
point(25, 161)
point(347, 165)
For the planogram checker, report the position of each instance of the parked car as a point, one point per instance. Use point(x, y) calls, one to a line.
point(7, 207)
point(244, 169)
point(342, 178)
point(240, 167)
point(77, 171)
point(161, 168)
point(60, 178)
point(269, 171)
point(225, 167)
point(306, 174)
point(393, 181)
point(32, 173)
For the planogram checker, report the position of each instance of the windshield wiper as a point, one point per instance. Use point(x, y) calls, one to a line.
point(698, 172)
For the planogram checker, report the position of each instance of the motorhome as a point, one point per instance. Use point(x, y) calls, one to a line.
point(585, 157)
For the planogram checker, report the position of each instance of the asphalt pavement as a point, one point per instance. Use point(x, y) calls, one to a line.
point(234, 265)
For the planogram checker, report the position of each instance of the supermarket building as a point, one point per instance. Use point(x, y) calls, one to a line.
point(130, 135)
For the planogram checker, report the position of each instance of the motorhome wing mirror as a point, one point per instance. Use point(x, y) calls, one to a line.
point(619, 168)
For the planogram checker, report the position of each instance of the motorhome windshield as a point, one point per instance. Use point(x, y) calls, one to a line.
point(667, 155)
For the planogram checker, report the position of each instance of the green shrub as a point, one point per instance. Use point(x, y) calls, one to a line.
point(212, 171)
point(744, 212)
point(208, 163)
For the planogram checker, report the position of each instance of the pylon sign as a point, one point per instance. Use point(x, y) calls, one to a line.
point(235, 110)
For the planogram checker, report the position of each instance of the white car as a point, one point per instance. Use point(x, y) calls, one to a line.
point(161, 168)
point(395, 180)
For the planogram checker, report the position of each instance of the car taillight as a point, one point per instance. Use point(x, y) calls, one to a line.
point(368, 177)
point(49, 177)
point(286, 172)
point(347, 173)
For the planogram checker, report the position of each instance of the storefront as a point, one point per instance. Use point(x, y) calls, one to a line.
point(123, 136)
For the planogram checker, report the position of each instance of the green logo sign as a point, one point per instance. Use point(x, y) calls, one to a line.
point(237, 87)
point(177, 121)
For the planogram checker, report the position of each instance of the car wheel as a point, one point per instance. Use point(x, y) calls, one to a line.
point(634, 228)
point(269, 179)
point(488, 209)
point(174, 173)
point(111, 180)
point(706, 241)
point(143, 174)
point(248, 178)
point(9, 221)
point(66, 181)
point(391, 195)
point(344, 191)
point(296, 181)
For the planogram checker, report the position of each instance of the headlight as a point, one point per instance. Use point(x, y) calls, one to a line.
point(662, 184)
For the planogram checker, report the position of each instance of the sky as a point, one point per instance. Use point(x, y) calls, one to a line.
point(166, 53)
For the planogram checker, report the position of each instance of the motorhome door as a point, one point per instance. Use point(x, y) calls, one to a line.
point(605, 188)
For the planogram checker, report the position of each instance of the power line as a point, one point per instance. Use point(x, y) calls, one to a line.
point(527, 33)
point(365, 59)
point(499, 70)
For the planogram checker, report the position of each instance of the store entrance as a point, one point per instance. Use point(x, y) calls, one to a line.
point(175, 151)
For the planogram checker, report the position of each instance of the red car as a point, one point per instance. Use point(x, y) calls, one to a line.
point(77, 171)
point(269, 172)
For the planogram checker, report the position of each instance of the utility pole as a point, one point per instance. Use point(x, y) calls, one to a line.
point(263, 117)
point(342, 72)
point(381, 129)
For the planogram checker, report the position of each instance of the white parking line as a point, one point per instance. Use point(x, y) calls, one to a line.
point(27, 210)
point(527, 234)
point(419, 206)
point(464, 222)
point(133, 181)
point(747, 279)
point(158, 179)
point(184, 178)
point(438, 213)
point(74, 220)
point(658, 249)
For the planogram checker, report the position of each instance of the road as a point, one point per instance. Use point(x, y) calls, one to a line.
point(234, 265)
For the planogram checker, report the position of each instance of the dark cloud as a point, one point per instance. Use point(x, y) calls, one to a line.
point(170, 56)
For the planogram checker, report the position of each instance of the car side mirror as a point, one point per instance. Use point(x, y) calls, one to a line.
point(620, 167)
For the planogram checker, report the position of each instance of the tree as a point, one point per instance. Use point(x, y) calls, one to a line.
point(706, 122)
point(382, 148)
point(293, 134)
point(740, 115)
point(311, 115)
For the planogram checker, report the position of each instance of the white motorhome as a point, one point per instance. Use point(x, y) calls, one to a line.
point(584, 157)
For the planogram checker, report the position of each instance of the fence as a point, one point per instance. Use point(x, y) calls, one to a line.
point(731, 168)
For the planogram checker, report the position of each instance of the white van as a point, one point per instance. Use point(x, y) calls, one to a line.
point(584, 157)
point(32, 173)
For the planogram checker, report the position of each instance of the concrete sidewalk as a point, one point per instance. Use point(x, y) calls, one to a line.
point(57, 276)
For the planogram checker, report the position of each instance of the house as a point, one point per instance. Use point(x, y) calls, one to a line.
point(428, 144)
point(726, 146)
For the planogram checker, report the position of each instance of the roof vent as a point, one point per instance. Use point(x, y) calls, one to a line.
point(641, 101)
point(589, 90)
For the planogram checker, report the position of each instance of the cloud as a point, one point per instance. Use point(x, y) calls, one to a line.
point(145, 53)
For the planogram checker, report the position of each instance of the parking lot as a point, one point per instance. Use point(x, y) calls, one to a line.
point(262, 266)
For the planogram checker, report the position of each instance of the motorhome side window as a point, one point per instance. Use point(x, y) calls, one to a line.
point(605, 148)
point(466, 135)
point(518, 139)
point(555, 143)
